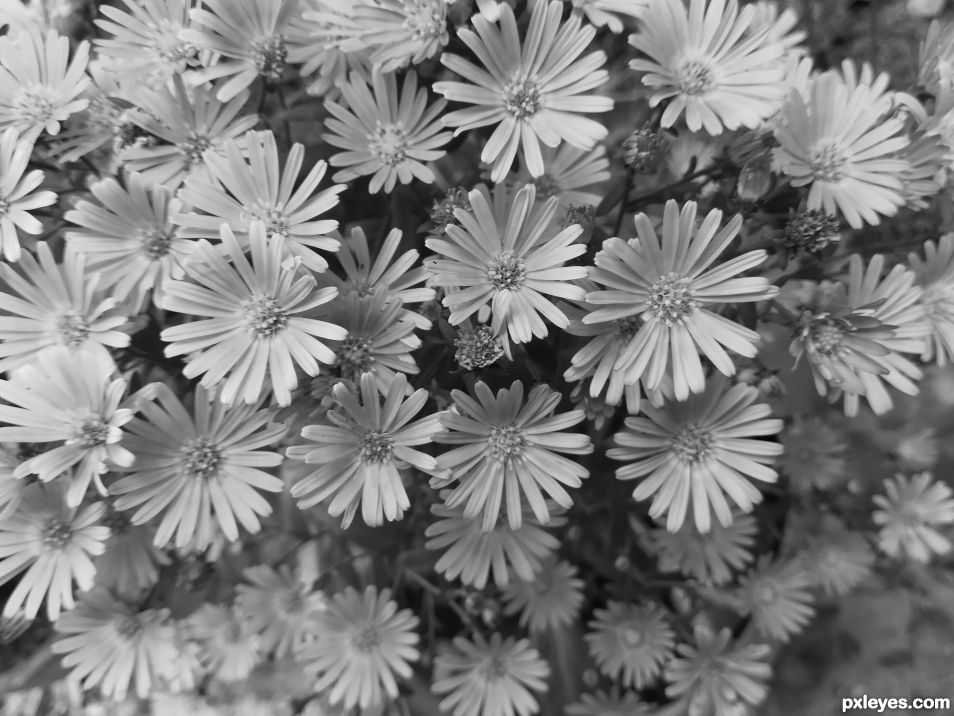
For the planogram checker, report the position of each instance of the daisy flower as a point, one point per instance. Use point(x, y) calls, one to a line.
point(706, 63)
point(935, 276)
point(814, 454)
point(196, 472)
point(495, 677)
point(248, 38)
point(40, 86)
point(130, 565)
point(508, 448)
point(472, 554)
point(605, 13)
point(279, 608)
point(630, 642)
point(227, 650)
point(364, 645)
point(250, 324)
point(51, 544)
point(387, 136)
point(668, 283)
point(714, 676)
point(189, 125)
point(700, 451)
point(909, 515)
point(778, 598)
point(361, 456)
point(573, 175)
point(18, 195)
point(108, 644)
point(837, 562)
point(245, 185)
point(127, 235)
point(711, 557)
point(532, 93)
point(609, 703)
point(548, 602)
point(72, 399)
point(401, 32)
point(837, 142)
point(510, 259)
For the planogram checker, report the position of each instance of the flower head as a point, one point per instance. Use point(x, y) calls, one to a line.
point(837, 561)
point(710, 557)
point(549, 601)
point(401, 32)
point(571, 174)
point(935, 276)
point(630, 642)
point(909, 515)
point(778, 597)
point(18, 195)
point(227, 649)
point(130, 564)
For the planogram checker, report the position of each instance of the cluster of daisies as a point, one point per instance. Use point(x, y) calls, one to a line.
point(324, 326)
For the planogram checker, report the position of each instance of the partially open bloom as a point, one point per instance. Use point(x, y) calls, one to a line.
point(710, 557)
point(910, 514)
point(549, 601)
point(401, 32)
point(935, 276)
point(532, 92)
point(508, 449)
point(364, 645)
point(778, 597)
point(706, 63)
point(572, 175)
point(52, 545)
point(668, 283)
point(18, 195)
point(700, 451)
point(388, 136)
point(251, 323)
point(490, 678)
point(196, 472)
point(630, 642)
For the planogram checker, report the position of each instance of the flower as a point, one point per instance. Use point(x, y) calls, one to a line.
point(127, 235)
point(909, 515)
point(51, 543)
point(509, 258)
point(630, 642)
point(837, 561)
point(709, 557)
point(11, 487)
point(279, 608)
point(531, 92)
point(361, 456)
point(666, 284)
point(226, 648)
point(709, 63)
point(248, 37)
point(109, 644)
point(935, 275)
point(39, 85)
point(182, 130)
point(778, 597)
point(471, 553)
point(490, 678)
point(196, 472)
point(572, 175)
point(386, 136)
point(251, 323)
point(477, 346)
point(72, 399)
point(837, 142)
point(549, 601)
point(18, 195)
point(363, 643)
point(611, 703)
point(703, 449)
point(241, 191)
point(130, 564)
point(508, 448)
point(715, 677)
point(603, 13)
point(398, 32)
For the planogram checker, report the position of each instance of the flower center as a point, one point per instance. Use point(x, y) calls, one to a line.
point(546, 186)
point(201, 459)
point(168, 46)
point(426, 19)
point(507, 442)
point(631, 637)
point(354, 355)
point(117, 522)
point(375, 447)
point(367, 639)
point(34, 103)
point(695, 77)
point(73, 328)
point(765, 594)
point(155, 242)
point(91, 432)
point(130, 627)
point(826, 162)
point(628, 327)
point(389, 144)
point(692, 443)
point(493, 668)
point(194, 147)
point(264, 316)
point(269, 55)
point(507, 272)
point(275, 222)
point(292, 601)
point(827, 339)
point(671, 299)
point(521, 97)
point(56, 534)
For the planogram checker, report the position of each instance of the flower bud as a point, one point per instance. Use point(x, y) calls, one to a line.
point(641, 150)
point(755, 180)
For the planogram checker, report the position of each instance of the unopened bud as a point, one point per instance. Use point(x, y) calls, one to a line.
point(442, 212)
point(641, 150)
point(755, 180)
point(478, 348)
point(812, 231)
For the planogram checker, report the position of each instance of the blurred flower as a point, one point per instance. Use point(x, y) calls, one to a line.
point(361, 457)
point(701, 450)
point(401, 32)
point(363, 643)
point(925, 8)
point(315, 38)
point(710, 557)
point(51, 544)
point(490, 678)
point(508, 449)
point(18, 195)
point(704, 64)
point(279, 608)
point(609, 703)
point(668, 286)
point(196, 472)
point(548, 602)
point(531, 92)
point(781, 24)
point(385, 136)
point(715, 677)
point(935, 275)
point(603, 13)
point(630, 642)
point(778, 597)
point(226, 648)
point(40, 86)
point(813, 454)
point(837, 561)
point(571, 174)
point(251, 319)
point(917, 449)
point(11, 487)
point(910, 514)
point(131, 561)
